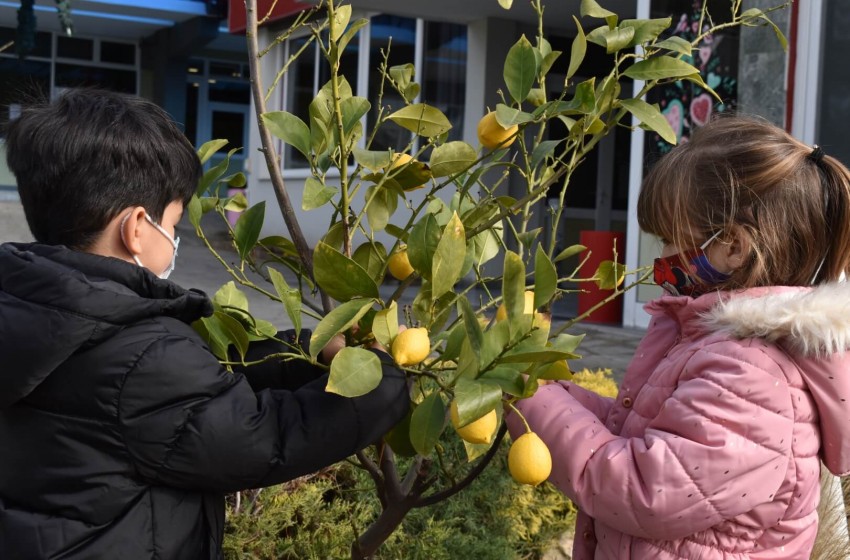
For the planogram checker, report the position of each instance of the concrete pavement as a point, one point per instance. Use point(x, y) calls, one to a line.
point(603, 347)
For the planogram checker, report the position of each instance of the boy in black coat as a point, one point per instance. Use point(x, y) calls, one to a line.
point(120, 431)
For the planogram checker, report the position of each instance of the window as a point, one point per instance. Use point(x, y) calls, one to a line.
point(438, 50)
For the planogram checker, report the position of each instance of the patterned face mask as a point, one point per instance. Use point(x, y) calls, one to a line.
point(688, 274)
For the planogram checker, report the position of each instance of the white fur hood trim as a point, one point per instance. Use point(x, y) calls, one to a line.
point(810, 321)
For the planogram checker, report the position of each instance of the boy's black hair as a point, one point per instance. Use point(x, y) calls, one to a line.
point(84, 157)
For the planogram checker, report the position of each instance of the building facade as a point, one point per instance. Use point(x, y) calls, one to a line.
point(183, 55)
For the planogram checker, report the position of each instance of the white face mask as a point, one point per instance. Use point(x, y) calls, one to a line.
point(174, 242)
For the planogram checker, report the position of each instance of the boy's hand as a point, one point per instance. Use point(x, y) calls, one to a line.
point(333, 347)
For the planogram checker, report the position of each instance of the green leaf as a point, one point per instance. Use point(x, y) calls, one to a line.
point(548, 60)
point(339, 276)
point(353, 109)
point(214, 335)
point(350, 33)
point(372, 160)
point(385, 325)
point(542, 151)
point(421, 119)
point(290, 129)
point(422, 244)
point(195, 212)
point(675, 44)
point(452, 157)
point(236, 181)
point(338, 320)
point(234, 331)
point(566, 342)
point(569, 252)
point(371, 256)
point(342, 15)
point(316, 194)
point(282, 244)
point(237, 204)
point(778, 32)
point(402, 74)
point(496, 339)
point(651, 117)
point(520, 69)
point(508, 116)
point(474, 399)
point(290, 297)
point(513, 290)
point(247, 229)
point(556, 371)
point(509, 379)
point(543, 355)
point(208, 149)
point(658, 68)
point(212, 175)
point(230, 296)
point(383, 202)
point(577, 51)
point(583, 101)
point(427, 423)
point(545, 278)
point(609, 275)
point(354, 372)
point(322, 119)
point(470, 324)
point(448, 260)
point(618, 38)
point(592, 9)
point(527, 238)
point(646, 30)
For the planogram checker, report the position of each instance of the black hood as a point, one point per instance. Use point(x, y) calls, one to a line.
point(55, 302)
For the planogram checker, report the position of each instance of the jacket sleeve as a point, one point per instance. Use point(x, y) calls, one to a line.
point(188, 422)
point(594, 402)
point(718, 447)
point(278, 374)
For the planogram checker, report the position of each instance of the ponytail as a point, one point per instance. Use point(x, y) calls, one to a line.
point(835, 182)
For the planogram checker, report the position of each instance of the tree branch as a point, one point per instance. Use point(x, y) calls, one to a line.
point(272, 160)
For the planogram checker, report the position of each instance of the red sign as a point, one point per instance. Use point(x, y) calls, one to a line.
point(283, 8)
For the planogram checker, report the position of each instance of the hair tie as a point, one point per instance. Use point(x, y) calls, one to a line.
point(816, 154)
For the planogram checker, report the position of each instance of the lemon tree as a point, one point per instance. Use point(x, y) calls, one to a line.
point(478, 341)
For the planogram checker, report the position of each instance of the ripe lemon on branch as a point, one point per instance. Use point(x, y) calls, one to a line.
point(492, 135)
point(478, 431)
point(529, 460)
point(411, 346)
point(399, 264)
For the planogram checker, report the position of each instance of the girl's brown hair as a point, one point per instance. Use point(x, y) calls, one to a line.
point(790, 200)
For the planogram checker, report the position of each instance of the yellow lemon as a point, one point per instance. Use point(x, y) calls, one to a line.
point(399, 264)
point(411, 346)
point(492, 135)
point(502, 311)
point(529, 460)
point(479, 431)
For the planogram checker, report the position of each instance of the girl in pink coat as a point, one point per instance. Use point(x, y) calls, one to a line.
point(741, 387)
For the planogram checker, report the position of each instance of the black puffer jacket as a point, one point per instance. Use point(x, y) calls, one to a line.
point(120, 431)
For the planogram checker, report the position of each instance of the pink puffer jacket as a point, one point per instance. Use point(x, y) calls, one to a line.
point(712, 448)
